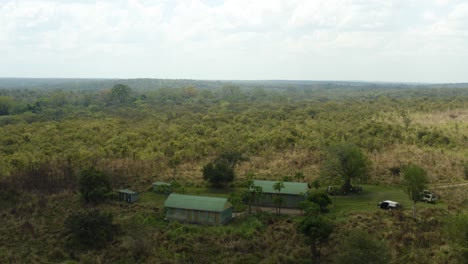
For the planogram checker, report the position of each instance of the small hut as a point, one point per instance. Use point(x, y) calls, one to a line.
point(127, 195)
point(293, 193)
point(162, 187)
point(198, 209)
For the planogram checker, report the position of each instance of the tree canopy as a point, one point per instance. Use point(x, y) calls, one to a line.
point(317, 229)
point(414, 183)
point(346, 161)
point(94, 185)
point(219, 173)
point(121, 93)
point(91, 230)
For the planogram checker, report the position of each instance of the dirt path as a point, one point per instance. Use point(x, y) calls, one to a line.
point(451, 185)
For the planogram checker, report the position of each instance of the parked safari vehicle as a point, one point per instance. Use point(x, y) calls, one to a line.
point(389, 205)
point(428, 197)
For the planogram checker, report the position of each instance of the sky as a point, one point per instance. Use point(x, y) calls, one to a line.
point(361, 40)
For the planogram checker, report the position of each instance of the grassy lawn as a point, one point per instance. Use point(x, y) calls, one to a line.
point(372, 195)
point(152, 198)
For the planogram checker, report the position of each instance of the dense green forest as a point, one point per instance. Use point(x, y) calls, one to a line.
point(144, 130)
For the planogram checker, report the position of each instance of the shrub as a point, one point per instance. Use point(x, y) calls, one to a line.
point(218, 173)
point(321, 199)
point(95, 186)
point(360, 248)
point(91, 230)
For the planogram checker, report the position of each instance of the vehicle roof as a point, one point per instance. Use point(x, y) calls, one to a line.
point(390, 202)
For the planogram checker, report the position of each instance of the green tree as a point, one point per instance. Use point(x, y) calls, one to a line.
point(346, 161)
point(317, 229)
point(218, 173)
point(121, 93)
point(278, 199)
point(94, 185)
point(257, 193)
point(236, 200)
point(360, 248)
point(414, 183)
point(5, 105)
point(321, 199)
point(316, 184)
point(299, 176)
point(91, 230)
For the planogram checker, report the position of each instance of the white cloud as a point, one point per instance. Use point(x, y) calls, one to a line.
point(233, 39)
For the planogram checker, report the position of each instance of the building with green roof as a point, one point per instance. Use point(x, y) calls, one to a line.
point(127, 195)
point(293, 193)
point(198, 209)
point(162, 187)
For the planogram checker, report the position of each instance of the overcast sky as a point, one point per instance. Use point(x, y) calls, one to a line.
point(373, 40)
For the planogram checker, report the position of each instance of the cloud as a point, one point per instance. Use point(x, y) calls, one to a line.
point(231, 39)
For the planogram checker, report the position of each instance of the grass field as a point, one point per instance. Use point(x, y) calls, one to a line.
point(373, 194)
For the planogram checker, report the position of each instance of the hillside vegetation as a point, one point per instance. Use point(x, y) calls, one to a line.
point(166, 130)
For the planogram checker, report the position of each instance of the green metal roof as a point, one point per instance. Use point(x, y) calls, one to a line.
point(296, 188)
point(161, 183)
point(201, 203)
point(126, 191)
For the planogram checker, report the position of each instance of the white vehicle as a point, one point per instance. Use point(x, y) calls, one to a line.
point(428, 197)
point(389, 205)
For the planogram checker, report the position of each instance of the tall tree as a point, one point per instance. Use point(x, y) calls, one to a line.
point(218, 173)
point(414, 182)
point(321, 199)
point(5, 105)
point(257, 193)
point(346, 161)
point(121, 92)
point(278, 198)
point(317, 229)
point(95, 186)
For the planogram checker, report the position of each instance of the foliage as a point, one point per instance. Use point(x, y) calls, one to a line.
point(456, 228)
point(121, 93)
point(321, 199)
point(256, 193)
point(465, 170)
point(236, 199)
point(94, 185)
point(414, 183)
point(317, 229)
point(360, 248)
point(346, 161)
point(91, 230)
point(278, 199)
point(233, 158)
point(299, 176)
point(219, 173)
point(56, 127)
point(316, 184)
point(6, 104)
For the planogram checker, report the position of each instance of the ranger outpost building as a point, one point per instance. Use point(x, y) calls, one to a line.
point(293, 193)
point(198, 209)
